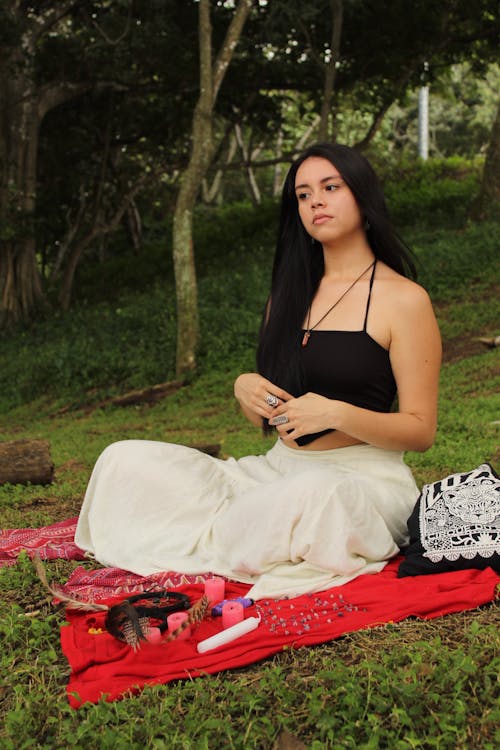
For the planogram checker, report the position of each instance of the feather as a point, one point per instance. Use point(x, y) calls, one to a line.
point(124, 623)
point(195, 615)
point(123, 620)
point(58, 593)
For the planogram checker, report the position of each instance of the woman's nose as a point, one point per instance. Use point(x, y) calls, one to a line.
point(317, 200)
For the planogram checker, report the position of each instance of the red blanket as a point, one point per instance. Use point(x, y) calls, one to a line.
point(102, 666)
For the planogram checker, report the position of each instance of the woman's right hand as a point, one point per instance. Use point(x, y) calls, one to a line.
point(251, 390)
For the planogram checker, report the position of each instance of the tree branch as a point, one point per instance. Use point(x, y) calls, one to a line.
point(98, 229)
point(120, 37)
point(337, 11)
point(43, 20)
point(285, 158)
point(53, 94)
point(314, 55)
point(226, 51)
point(401, 84)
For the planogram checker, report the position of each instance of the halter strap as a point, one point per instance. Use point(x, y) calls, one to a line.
point(369, 295)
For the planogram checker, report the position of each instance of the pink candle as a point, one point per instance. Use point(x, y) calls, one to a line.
point(214, 589)
point(174, 621)
point(232, 613)
point(153, 635)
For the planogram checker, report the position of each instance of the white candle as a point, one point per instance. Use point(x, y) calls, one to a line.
point(228, 635)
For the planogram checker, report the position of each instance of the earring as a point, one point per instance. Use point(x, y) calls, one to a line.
point(367, 225)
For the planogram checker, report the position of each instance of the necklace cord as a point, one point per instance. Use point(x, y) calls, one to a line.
point(309, 329)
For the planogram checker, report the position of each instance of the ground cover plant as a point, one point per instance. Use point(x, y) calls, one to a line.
point(412, 685)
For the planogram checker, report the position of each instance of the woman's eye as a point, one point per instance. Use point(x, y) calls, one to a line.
point(332, 188)
point(302, 196)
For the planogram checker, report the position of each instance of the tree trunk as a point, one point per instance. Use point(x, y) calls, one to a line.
point(278, 169)
point(211, 192)
point(20, 279)
point(331, 69)
point(134, 225)
point(23, 105)
point(247, 156)
point(26, 461)
point(202, 150)
point(488, 199)
point(101, 227)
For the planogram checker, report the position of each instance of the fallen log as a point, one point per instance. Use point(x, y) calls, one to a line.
point(491, 342)
point(26, 461)
point(150, 395)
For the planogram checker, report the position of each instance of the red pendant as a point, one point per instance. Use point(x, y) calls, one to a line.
point(306, 337)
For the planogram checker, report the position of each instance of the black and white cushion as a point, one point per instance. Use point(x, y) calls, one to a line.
point(455, 525)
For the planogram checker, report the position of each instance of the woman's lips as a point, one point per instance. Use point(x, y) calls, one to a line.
point(321, 218)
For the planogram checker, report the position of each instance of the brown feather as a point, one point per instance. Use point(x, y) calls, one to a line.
point(56, 592)
point(123, 622)
point(195, 615)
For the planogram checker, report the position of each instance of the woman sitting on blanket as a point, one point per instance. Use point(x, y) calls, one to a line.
point(343, 331)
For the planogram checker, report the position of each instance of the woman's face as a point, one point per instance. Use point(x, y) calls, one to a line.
point(327, 207)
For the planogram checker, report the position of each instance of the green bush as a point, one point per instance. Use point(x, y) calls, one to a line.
point(221, 235)
point(456, 264)
point(434, 193)
point(99, 348)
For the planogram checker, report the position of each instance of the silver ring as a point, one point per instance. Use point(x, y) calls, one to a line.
point(282, 419)
point(271, 400)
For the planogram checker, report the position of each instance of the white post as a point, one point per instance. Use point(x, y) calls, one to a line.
point(423, 116)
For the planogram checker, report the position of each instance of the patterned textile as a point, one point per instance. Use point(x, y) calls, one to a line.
point(455, 524)
point(49, 542)
point(107, 582)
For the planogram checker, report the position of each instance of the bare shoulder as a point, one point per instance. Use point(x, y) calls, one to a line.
point(411, 325)
point(402, 295)
point(402, 311)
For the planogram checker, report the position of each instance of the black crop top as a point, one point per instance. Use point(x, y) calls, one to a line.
point(348, 366)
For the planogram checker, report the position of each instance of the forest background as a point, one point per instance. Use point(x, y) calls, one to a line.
point(117, 117)
point(142, 151)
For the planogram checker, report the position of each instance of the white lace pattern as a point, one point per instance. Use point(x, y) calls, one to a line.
point(460, 516)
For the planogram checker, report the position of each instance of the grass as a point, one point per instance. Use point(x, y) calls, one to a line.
point(412, 685)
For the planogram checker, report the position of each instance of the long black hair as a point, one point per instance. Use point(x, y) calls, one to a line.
point(299, 265)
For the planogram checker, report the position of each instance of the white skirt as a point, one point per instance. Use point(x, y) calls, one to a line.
point(287, 522)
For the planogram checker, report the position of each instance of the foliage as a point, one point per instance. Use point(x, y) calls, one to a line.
point(135, 70)
point(461, 113)
point(460, 264)
point(122, 333)
point(436, 193)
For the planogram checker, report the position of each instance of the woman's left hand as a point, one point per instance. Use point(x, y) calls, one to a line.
point(305, 415)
